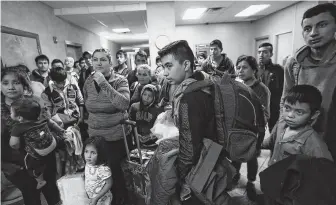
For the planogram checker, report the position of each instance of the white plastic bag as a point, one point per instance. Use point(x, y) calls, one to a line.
point(164, 127)
point(72, 190)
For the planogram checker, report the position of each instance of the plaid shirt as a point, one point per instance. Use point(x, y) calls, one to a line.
point(225, 66)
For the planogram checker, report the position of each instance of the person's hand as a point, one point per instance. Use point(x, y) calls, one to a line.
point(163, 102)
point(80, 121)
point(98, 77)
point(93, 201)
point(261, 64)
point(14, 142)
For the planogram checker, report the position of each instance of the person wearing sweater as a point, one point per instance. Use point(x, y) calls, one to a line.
point(107, 98)
point(246, 68)
point(315, 63)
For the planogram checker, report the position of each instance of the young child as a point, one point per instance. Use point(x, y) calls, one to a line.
point(294, 133)
point(145, 113)
point(98, 176)
point(36, 135)
point(63, 99)
point(144, 77)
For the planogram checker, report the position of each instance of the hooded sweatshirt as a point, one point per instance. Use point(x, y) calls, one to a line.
point(320, 74)
point(145, 116)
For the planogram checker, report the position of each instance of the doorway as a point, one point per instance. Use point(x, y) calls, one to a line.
point(284, 47)
point(73, 50)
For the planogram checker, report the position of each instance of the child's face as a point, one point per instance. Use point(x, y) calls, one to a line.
point(90, 154)
point(11, 86)
point(147, 97)
point(200, 59)
point(143, 77)
point(244, 71)
point(296, 115)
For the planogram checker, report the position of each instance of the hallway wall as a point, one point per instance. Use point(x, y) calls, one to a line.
point(39, 18)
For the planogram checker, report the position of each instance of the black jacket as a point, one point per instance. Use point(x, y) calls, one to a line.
point(300, 180)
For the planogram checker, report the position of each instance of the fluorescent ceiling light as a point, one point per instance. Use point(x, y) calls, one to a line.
point(121, 30)
point(251, 10)
point(193, 13)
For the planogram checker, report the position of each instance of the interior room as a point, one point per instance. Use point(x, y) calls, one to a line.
point(119, 33)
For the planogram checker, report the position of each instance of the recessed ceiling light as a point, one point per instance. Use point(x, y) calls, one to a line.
point(121, 30)
point(195, 13)
point(251, 10)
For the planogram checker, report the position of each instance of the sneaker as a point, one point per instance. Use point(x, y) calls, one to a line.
point(251, 191)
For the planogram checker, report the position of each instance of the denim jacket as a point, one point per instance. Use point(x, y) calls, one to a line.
point(306, 142)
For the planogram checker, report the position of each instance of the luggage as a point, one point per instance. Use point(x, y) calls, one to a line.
point(134, 169)
point(239, 115)
point(72, 190)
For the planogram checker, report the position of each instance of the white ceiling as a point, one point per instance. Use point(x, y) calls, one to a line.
point(101, 17)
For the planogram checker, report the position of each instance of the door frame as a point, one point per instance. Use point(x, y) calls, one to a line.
point(70, 43)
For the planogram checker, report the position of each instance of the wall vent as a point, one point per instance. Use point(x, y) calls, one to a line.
point(214, 10)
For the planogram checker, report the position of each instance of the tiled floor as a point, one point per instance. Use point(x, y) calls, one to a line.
point(238, 194)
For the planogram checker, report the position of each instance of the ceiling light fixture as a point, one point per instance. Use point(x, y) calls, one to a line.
point(251, 10)
point(121, 30)
point(195, 13)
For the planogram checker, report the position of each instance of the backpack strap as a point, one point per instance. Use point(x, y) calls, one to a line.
point(198, 85)
point(295, 69)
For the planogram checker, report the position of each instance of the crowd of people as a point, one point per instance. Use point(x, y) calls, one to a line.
point(90, 98)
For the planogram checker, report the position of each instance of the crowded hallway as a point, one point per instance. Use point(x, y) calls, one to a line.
point(168, 102)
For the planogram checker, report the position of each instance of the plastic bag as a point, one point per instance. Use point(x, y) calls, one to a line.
point(164, 127)
point(72, 190)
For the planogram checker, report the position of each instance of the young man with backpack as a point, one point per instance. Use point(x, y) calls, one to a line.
point(201, 112)
point(315, 63)
point(63, 99)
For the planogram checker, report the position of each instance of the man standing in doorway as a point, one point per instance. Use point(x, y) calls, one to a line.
point(140, 58)
point(315, 63)
point(272, 75)
point(122, 67)
point(41, 74)
point(217, 63)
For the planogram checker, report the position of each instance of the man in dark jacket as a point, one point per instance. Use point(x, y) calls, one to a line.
point(217, 63)
point(194, 114)
point(41, 74)
point(272, 75)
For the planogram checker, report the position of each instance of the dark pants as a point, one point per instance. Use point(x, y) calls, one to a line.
point(252, 168)
point(117, 154)
point(34, 166)
point(27, 184)
point(192, 201)
point(274, 116)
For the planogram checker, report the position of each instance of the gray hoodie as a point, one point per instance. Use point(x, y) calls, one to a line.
point(321, 75)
